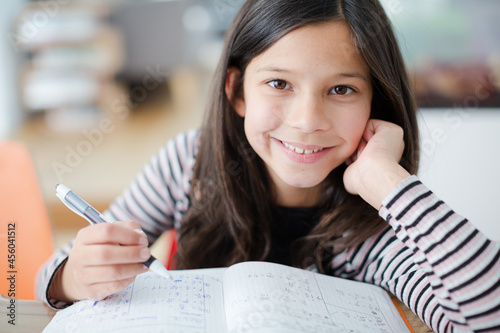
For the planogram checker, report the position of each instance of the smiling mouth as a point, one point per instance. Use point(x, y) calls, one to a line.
point(300, 150)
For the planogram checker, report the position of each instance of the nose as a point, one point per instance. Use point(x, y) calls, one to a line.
point(308, 113)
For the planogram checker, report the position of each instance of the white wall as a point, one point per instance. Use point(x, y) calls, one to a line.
point(460, 162)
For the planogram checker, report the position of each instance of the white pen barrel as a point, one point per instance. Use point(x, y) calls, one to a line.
point(94, 215)
point(82, 206)
point(77, 202)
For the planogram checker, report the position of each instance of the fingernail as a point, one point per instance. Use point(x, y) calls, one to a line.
point(145, 253)
point(139, 231)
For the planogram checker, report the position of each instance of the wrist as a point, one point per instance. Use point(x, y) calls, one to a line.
point(379, 181)
point(59, 285)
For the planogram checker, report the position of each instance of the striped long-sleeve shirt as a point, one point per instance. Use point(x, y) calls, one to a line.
point(432, 259)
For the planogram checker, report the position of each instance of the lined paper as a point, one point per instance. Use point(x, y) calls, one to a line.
point(264, 297)
point(191, 302)
point(246, 297)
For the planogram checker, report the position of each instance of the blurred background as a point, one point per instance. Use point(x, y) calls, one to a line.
point(95, 88)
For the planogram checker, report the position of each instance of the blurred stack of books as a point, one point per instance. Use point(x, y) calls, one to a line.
point(72, 54)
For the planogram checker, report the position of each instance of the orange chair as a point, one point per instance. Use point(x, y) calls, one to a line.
point(25, 231)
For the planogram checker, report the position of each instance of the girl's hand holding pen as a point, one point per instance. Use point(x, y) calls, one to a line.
point(105, 258)
point(373, 170)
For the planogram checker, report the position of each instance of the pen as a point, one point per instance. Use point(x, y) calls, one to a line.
point(82, 208)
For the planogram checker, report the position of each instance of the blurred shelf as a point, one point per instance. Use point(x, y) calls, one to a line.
point(99, 163)
point(69, 61)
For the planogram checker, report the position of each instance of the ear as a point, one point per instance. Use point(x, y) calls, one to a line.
point(234, 90)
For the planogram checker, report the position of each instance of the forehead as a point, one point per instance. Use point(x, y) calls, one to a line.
point(325, 45)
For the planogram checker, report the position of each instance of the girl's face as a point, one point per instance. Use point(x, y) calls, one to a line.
point(306, 102)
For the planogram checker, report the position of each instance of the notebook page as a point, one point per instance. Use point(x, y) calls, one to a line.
point(266, 297)
point(191, 302)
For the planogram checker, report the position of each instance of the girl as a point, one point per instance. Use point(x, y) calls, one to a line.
point(311, 130)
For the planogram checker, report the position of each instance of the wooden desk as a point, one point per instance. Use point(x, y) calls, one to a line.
point(33, 316)
point(416, 323)
point(30, 316)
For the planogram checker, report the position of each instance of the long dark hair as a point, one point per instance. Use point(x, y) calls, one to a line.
point(231, 192)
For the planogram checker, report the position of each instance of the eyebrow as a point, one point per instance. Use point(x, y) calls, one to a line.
point(272, 69)
point(283, 70)
point(354, 74)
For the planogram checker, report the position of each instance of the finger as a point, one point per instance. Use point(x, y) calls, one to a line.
point(361, 147)
point(128, 224)
point(108, 254)
point(101, 274)
point(111, 233)
point(99, 291)
point(376, 125)
point(370, 129)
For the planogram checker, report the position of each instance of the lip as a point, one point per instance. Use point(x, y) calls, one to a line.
point(302, 158)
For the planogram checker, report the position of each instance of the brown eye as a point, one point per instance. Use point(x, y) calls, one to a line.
point(342, 90)
point(279, 84)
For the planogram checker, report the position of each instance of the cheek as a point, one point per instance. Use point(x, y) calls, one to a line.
point(263, 116)
point(354, 129)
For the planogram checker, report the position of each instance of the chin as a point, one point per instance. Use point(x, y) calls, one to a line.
point(301, 182)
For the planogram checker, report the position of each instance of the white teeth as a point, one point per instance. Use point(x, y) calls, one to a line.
point(299, 150)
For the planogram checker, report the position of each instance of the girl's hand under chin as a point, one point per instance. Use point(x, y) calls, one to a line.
point(373, 170)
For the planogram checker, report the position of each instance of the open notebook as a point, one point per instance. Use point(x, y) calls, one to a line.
point(246, 297)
